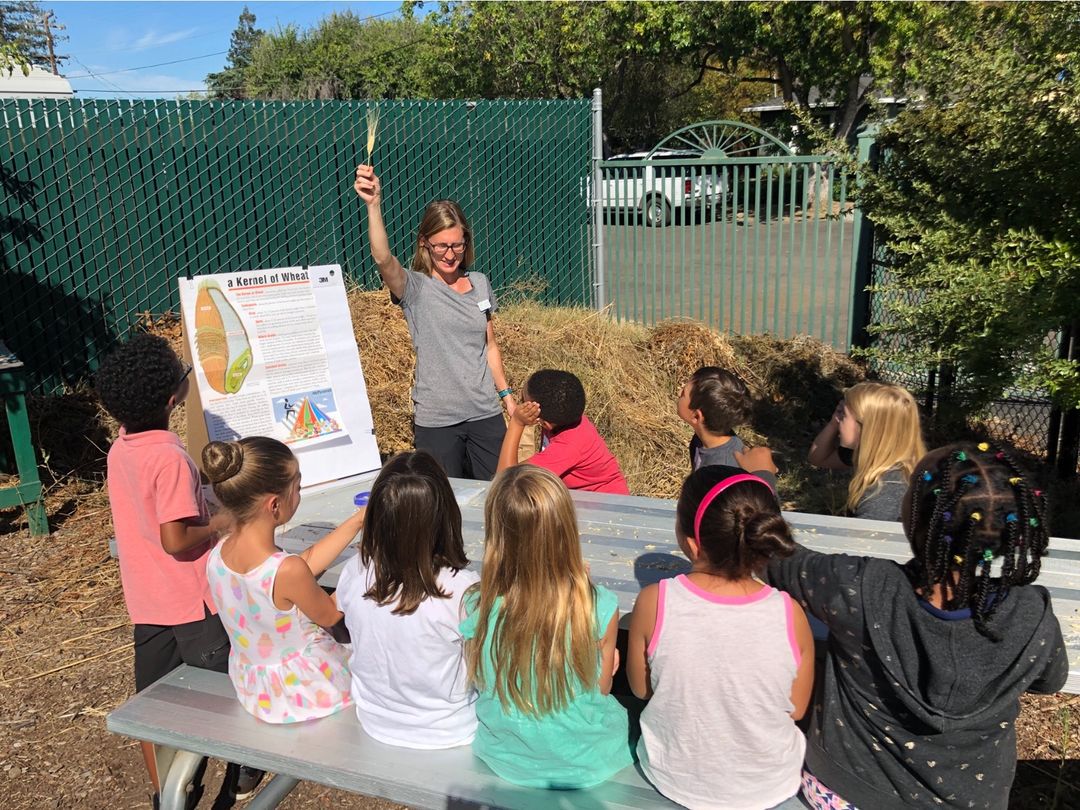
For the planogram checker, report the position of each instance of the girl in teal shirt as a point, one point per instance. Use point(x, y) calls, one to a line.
point(540, 643)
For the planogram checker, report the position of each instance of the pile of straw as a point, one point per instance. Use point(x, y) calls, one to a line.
point(631, 375)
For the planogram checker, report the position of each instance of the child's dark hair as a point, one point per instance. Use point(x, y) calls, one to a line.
point(136, 381)
point(412, 531)
point(244, 471)
point(741, 529)
point(967, 507)
point(560, 395)
point(722, 398)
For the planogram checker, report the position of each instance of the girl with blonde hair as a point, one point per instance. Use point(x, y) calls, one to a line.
point(540, 643)
point(459, 386)
point(875, 432)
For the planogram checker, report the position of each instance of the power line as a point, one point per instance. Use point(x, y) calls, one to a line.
point(147, 67)
point(375, 57)
point(133, 92)
point(104, 81)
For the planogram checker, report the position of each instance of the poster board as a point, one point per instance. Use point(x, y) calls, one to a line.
point(273, 354)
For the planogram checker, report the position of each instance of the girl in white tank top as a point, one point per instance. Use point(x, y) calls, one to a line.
point(726, 662)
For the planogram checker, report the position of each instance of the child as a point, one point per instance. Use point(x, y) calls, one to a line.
point(875, 430)
point(158, 512)
point(927, 660)
point(540, 643)
point(284, 666)
point(571, 447)
point(714, 402)
point(722, 657)
point(402, 601)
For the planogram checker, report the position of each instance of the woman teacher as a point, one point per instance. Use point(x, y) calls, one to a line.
point(460, 384)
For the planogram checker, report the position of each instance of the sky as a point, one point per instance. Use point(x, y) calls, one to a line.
point(123, 49)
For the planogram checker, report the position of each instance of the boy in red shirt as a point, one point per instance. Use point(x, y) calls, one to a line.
point(571, 447)
point(163, 528)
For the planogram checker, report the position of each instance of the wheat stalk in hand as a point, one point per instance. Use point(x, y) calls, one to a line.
point(372, 128)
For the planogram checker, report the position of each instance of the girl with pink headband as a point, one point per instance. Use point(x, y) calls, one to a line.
point(726, 662)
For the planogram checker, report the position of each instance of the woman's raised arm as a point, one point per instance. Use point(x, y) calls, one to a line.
point(369, 189)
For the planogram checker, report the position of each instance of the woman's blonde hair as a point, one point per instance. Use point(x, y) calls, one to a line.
point(438, 216)
point(544, 641)
point(891, 434)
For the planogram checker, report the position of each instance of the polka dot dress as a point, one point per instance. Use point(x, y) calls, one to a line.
point(285, 668)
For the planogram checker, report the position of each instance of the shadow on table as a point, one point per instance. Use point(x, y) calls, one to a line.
point(654, 566)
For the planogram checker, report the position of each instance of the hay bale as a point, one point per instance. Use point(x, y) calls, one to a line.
point(388, 359)
point(629, 398)
point(679, 348)
point(631, 376)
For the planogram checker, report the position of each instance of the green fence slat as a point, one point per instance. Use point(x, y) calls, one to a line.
point(757, 251)
point(841, 340)
point(745, 249)
point(788, 332)
point(131, 194)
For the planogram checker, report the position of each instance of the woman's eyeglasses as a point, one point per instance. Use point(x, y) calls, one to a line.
point(440, 249)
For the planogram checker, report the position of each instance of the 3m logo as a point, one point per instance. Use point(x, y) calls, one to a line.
point(324, 279)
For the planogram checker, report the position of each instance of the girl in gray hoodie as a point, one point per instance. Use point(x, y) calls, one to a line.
point(926, 661)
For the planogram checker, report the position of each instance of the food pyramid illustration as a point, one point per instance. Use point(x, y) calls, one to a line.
point(220, 340)
point(310, 421)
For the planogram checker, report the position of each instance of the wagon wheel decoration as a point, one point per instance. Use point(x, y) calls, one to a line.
point(717, 140)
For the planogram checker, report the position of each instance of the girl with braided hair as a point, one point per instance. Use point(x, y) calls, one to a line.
point(926, 660)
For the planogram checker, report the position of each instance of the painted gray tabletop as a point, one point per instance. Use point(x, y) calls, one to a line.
point(629, 542)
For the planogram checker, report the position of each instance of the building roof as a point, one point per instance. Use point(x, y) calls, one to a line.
point(39, 84)
point(816, 102)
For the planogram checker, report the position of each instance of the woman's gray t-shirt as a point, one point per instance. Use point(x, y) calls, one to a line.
point(453, 381)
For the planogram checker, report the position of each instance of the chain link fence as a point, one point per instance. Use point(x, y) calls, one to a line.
point(1024, 418)
point(107, 203)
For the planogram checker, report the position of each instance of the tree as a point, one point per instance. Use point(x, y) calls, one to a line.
point(344, 57)
point(638, 53)
point(229, 83)
point(23, 27)
point(11, 57)
point(977, 203)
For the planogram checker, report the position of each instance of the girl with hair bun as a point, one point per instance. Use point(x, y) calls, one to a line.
point(285, 667)
point(726, 661)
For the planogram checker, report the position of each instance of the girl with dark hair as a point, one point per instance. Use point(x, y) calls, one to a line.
point(459, 381)
point(725, 660)
point(402, 601)
point(285, 667)
point(927, 660)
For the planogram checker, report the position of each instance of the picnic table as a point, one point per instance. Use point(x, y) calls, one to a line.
point(27, 493)
point(629, 542)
